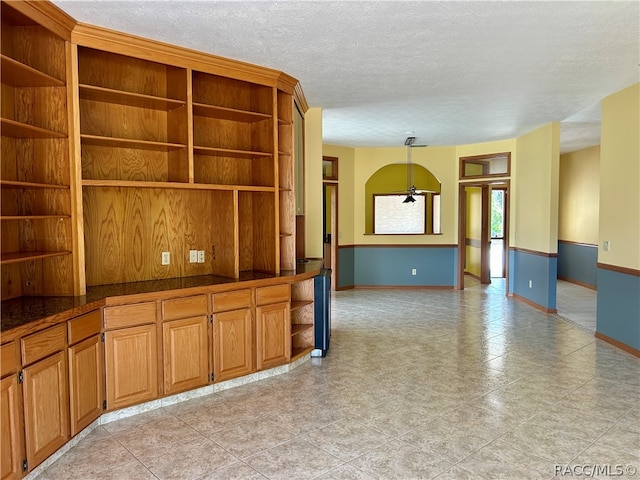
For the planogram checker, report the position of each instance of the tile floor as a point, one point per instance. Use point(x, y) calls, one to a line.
point(577, 304)
point(417, 384)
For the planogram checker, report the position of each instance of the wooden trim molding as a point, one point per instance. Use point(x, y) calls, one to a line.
point(473, 242)
point(534, 252)
point(48, 15)
point(300, 99)
point(617, 343)
point(535, 305)
point(615, 268)
point(390, 245)
point(402, 287)
point(484, 160)
point(127, 44)
point(581, 244)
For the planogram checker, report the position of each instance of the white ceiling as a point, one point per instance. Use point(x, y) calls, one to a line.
point(453, 72)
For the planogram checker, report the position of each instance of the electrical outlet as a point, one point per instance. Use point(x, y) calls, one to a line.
point(606, 245)
point(414, 271)
point(193, 256)
point(166, 258)
point(530, 283)
point(200, 256)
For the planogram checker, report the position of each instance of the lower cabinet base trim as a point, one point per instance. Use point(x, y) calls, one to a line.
point(164, 402)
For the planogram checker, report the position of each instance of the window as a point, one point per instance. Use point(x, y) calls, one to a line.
point(480, 166)
point(393, 216)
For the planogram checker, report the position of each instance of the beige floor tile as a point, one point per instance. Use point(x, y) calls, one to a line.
point(236, 471)
point(399, 460)
point(248, 438)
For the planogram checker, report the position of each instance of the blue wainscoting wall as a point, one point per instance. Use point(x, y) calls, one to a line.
point(390, 266)
point(577, 262)
point(539, 268)
point(618, 310)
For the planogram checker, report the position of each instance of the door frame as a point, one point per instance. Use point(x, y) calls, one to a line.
point(485, 237)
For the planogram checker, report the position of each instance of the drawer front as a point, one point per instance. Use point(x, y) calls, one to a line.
point(184, 307)
point(8, 359)
point(42, 344)
point(129, 315)
point(84, 326)
point(274, 294)
point(231, 300)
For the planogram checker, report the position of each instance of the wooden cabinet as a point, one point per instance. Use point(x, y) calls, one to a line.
point(35, 178)
point(273, 326)
point(232, 334)
point(185, 344)
point(130, 354)
point(302, 318)
point(45, 393)
point(85, 356)
point(11, 428)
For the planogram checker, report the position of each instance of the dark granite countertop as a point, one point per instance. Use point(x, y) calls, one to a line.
point(21, 311)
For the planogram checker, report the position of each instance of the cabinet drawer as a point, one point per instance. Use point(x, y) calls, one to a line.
point(84, 326)
point(8, 359)
point(184, 307)
point(231, 300)
point(273, 294)
point(42, 344)
point(129, 315)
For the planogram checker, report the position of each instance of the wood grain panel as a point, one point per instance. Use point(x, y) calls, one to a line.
point(231, 93)
point(39, 345)
point(11, 280)
point(120, 72)
point(127, 229)
point(10, 429)
point(222, 170)
point(8, 359)
point(35, 46)
point(46, 407)
point(119, 163)
point(264, 232)
point(131, 366)
point(184, 307)
point(44, 107)
point(245, 231)
point(129, 315)
point(186, 354)
point(272, 335)
point(224, 234)
point(233, 300)
point(232, 340)
point(85, 383)
point(84, 326)
point(273, 294)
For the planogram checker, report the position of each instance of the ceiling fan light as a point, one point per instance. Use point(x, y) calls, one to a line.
point(409, 199)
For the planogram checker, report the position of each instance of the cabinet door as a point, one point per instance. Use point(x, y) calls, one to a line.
point(11, 440)
point(232, 342)
point(46, 407)
point(85, 383)
point(272, 335)
point(131, 366)
point(186, 357)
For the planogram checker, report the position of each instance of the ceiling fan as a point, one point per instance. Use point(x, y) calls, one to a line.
point(411, 187)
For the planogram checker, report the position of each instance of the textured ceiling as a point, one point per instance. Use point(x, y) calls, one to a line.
point(452, 72)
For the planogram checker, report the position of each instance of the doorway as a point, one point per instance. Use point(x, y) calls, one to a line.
point(498, 252)
point(330, 229)
point(483, 226)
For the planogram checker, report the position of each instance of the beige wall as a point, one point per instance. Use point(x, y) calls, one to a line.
point(619, 216)
point(579, 196)
point(313, 182)
point(534, 206)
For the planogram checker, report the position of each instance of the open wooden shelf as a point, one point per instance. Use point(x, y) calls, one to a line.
point(225, 113)
point(226, 152)
point(296, 304)
point(11, 128)
point(129, 143)
point(110, 95)
point(174, 185)
point(296, 353)
point(32, 217)
point(300, 327)
point(18, 257)
point(18, 74)
point(19, 184)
